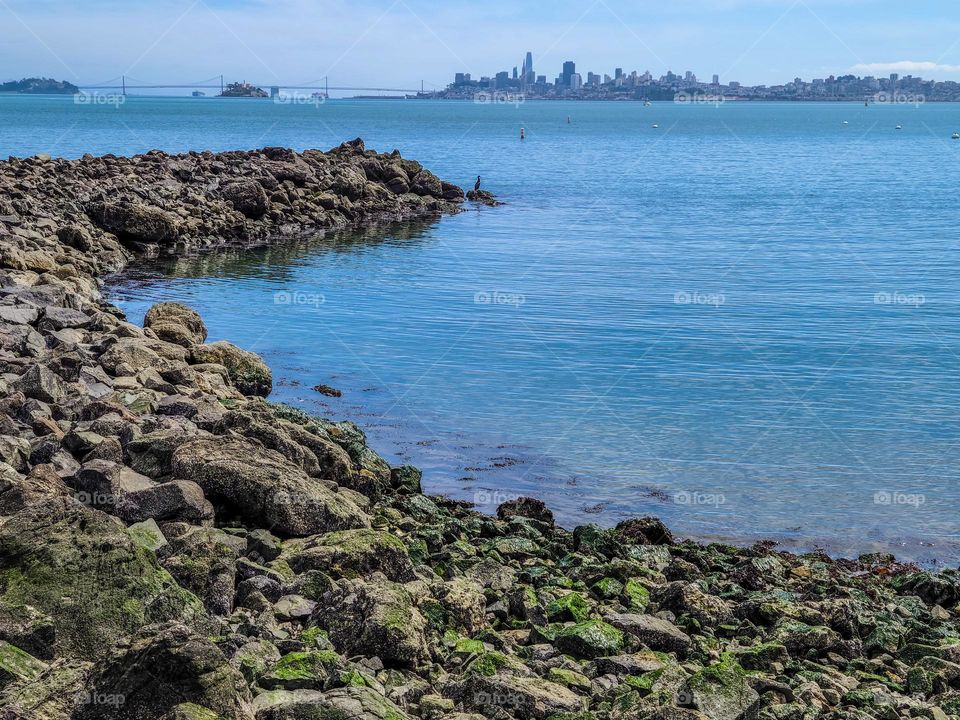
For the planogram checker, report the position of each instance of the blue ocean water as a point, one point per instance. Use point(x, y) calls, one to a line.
point(744, 320)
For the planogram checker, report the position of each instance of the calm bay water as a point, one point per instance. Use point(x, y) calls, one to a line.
point(744, 321)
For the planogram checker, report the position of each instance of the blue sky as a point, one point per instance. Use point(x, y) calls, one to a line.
point(400, 43)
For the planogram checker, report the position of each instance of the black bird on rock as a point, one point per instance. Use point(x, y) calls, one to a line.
point(476, 188)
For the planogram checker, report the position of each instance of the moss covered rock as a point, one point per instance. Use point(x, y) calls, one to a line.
point(166, 666)
point(590, 639)
point(80, 567)
point(721, 692)
point(376, 618)
point(247, 371)
point(352, 553)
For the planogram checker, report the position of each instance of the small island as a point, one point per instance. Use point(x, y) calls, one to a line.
point(243, 90)
point(39, 86)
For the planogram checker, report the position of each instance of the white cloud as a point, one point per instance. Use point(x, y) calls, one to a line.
point(926, 69)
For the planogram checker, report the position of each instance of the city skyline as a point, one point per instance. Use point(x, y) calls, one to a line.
point(404, 42)
point(632, 84)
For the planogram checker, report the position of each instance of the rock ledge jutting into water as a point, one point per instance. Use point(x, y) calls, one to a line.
point(174, 546)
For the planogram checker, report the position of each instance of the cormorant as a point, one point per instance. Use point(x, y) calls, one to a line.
point(476, 188)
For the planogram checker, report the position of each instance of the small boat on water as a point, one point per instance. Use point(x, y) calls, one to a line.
point(955, 136)
point(646, 103)
point(846, 122)
point(655, 127)
point(899, 127)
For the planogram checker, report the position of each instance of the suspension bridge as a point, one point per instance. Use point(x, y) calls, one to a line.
point(125, 83)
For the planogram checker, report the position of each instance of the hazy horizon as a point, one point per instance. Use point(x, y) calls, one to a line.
point(401, 43)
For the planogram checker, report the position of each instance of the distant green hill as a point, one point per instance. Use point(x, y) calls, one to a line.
point(39, 86)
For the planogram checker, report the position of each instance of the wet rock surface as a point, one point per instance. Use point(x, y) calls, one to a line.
point(174, 546)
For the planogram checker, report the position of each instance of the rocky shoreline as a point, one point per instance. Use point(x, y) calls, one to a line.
point(174, 546)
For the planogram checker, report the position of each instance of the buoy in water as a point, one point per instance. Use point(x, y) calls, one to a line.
point(523, 134)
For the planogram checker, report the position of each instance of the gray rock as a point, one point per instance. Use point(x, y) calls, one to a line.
point(375, 618)
point(656, 633)
point(264, 487)
point(164, 667)
point(41, 383)
point(248, 197)
point(249, 374)
point(179, 500)
point(135, 222)
point(176, 323)
point(349, 703)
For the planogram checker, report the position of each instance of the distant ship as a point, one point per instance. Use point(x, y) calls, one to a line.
point(199, 93)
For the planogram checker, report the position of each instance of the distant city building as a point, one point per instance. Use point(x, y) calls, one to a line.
point(636, 86)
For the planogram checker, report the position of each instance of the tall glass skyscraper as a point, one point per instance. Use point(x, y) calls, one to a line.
point(529, 76)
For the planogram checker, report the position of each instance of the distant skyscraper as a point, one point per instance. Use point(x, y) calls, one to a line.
point(529, 75)
point(576, 82)
point(618, 73)
point(569, 70)
point(515, 75)
point(716, 79)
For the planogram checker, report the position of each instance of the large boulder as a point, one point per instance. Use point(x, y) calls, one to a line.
point(55, 695)
point(136, 222)
point(345, 553)
point(264, 487)
point(247, 371)
point(80, 567)
point(722, 692)
point(176, 323)
point(204, 561)
point(505, 695)
point(656, 633)
point(348, 703)
point(375, 618)
point(248, 197)
point(41, 383)
point(178, 500)
point(164, 667)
